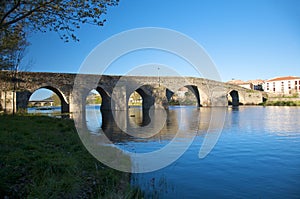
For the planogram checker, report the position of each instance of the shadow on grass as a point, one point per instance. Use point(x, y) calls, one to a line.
point(43, 157)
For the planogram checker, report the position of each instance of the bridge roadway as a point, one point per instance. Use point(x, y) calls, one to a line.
point(72, 89)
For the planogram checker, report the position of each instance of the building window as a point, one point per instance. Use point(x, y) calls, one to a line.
point(296, 82)
point(267, 86)
point(282, 87)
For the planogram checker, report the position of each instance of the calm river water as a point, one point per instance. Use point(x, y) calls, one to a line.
point(256, 156)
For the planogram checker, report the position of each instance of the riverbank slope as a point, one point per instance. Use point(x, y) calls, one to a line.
point(43, 157)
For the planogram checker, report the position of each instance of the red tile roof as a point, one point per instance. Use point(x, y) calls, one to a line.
point(283, 78)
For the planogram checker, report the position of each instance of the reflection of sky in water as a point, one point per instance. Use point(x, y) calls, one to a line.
point(257, 155)
point(282, 121)
point(54, 111)
point(93, 118)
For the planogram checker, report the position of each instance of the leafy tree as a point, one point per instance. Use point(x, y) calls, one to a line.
point(18, 18)
point(56, 100)
point(12, 47)
point(62, 16)
point(93, 98)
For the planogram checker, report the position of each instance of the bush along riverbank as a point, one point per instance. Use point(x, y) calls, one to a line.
point(43, 157)
point(281, 103)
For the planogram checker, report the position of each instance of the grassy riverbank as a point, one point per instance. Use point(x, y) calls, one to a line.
point(43, 157)
point(281, 103)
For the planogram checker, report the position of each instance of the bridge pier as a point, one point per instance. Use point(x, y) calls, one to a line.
point(13, 102)
point(119, 98)
point(219, 97)
point(160, 98)
point(22, 99)
point(65, 108)
point(155, 97)
point(152, 96)
point(7, 102)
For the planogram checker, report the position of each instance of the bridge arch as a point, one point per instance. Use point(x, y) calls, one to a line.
point(233, 97)
point(106, 98)
point(37, 104)
point(99, 90)
point(145, 92)
point(183, 94)
point(148, 100)
point(92, 101)
point(195, 91)
point(62, 98)
point(136, 115)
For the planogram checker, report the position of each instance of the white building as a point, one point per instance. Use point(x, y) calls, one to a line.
point(283, 85)
point(181, 92)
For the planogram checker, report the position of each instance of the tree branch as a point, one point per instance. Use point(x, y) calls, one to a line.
point(10, 11)
point(25, 14)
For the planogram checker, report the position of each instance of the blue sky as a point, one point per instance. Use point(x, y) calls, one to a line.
point(245, 39)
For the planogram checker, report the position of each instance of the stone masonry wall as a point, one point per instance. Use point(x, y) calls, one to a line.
point(211, 93)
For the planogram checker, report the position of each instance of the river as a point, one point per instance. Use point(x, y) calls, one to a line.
point(257, 154)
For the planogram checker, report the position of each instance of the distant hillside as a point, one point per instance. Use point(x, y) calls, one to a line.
point(93, 98)
point(55, 99)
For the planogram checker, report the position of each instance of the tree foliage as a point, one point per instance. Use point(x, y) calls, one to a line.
point(93, 98)
point(12, 47)
point(18, 18)
point(62, 16)
point(55, 99)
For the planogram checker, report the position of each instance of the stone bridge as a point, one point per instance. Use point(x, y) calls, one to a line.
point(37, 103)
point(72, 89)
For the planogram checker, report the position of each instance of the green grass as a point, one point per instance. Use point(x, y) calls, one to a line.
point(281, 103)
point(295, 95)
point(43, 157)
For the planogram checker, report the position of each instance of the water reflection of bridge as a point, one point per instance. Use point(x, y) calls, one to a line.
point(143, 125)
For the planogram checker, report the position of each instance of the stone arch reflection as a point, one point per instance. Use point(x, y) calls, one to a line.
point(95, 102)
point(184, 120)
point(93, 113)
point(136, 110)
